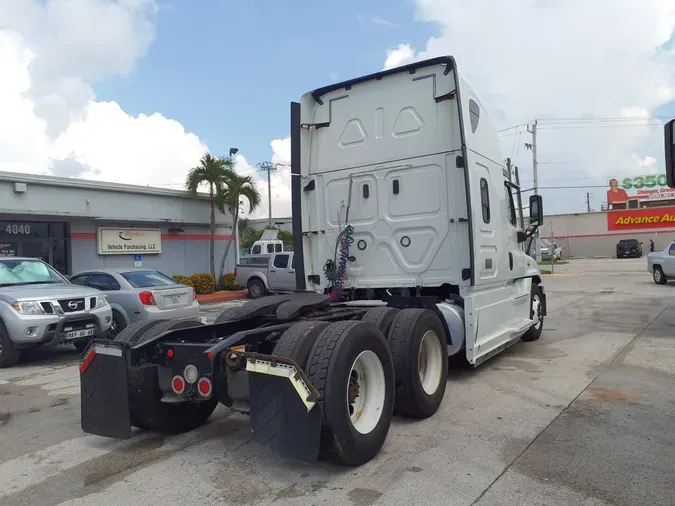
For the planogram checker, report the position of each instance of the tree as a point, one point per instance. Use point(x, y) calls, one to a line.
point(214, 173)
point(286, 238)
point(236, 189)
point(249, 235)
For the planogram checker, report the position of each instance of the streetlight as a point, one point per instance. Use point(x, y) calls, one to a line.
point(234, 151)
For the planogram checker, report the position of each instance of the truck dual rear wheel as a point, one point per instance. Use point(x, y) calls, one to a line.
point(350, 365)
point(536, 314)
point(419, 348)
point(145, 397)
point(381, 317)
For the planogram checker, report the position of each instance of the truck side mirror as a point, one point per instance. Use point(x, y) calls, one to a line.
point(670, 152)
point(536, 210)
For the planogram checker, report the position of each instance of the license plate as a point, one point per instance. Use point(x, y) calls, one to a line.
point(76, 334)
point(173, 299)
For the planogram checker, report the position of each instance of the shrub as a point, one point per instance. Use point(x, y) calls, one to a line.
point(183, 280)
point(203, 283)
point(229, 283)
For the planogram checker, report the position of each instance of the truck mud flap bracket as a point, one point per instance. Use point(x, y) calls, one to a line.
point(104, 390)
point(284, 414)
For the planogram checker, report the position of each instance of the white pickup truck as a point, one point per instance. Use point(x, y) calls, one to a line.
point(661, 264)
point(261, 274)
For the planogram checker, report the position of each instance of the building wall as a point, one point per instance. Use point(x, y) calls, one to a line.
point(69, 198)
point(182, 253)
point(587, 235)
point(87, 205)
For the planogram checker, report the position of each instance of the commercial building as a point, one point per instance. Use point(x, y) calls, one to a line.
point(641, 208)
point(75, 224)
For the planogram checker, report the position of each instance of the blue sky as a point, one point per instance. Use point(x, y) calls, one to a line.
point(228, 71)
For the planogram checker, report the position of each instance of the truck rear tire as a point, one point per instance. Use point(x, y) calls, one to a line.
point(350, 365)
point(256, 288)
point(659, 276)
point(145, 397)
point(297, 342)
point(9, 355)
point(534, 332)
point(381, 317)
point(419, 347)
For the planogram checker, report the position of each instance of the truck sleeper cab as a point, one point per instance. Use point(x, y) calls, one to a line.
point(407, 251)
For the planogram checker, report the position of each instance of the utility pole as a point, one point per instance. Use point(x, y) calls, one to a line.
point(533, 147)
point(268, 167)
point(588, 201)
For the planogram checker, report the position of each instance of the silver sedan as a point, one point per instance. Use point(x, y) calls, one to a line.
point(139, 295)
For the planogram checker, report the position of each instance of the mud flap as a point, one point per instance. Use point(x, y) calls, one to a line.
point(104, 391)
point(280, 419)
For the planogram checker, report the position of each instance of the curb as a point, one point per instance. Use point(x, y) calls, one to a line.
point(210, 298)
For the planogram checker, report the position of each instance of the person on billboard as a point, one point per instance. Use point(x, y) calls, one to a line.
point(616, 195)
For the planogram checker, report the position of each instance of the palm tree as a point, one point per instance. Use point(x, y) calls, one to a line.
point(236, 189)
point(212, 172)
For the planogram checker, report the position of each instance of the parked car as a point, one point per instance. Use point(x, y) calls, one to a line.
point(140, 294)
point(39, 307)
point(661, 264)
point(262, 274)
point(547, 248)
point(627, 248)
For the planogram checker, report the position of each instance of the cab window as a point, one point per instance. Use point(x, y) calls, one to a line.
point(510, 206)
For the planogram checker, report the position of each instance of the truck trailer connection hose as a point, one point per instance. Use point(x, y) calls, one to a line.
point(336, 270)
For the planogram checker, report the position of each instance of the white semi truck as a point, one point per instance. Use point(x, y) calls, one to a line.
point(407, 252)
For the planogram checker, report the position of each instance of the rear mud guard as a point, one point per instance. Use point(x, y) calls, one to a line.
point(104, 390)
point(285, 415)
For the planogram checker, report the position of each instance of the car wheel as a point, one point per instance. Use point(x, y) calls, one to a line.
point(256, 288)
point(659, 276)
point(118, 324)
point(9, 355)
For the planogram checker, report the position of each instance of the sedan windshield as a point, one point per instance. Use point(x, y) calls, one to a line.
point(27, 272)
point(146, 279)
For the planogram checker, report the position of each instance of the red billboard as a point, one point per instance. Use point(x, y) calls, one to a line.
point(645, 218)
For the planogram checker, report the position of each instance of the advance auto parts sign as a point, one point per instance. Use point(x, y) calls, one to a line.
point(646, 218)
point(128, 241)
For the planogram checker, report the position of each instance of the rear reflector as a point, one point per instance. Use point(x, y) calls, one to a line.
point(178, 384)
point(204, 387)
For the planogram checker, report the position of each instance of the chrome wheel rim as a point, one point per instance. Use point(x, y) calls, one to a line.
point(536, 311)
point(657, 275)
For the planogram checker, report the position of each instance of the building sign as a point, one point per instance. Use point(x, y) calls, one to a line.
point(645, 218)
point(651, 187)
point(8, 249)
point(129, 241)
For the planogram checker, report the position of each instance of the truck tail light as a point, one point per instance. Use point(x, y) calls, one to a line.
point(146, 298)
point(204, 387)
point(178, 384)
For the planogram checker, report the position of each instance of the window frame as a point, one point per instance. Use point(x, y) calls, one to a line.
point(285, 266)
point(511, 206)
point(485, 199)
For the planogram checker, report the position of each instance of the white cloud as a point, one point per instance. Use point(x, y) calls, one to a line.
point(280, 181)
point(402, 55)
point(563, 59)
point(50, 52)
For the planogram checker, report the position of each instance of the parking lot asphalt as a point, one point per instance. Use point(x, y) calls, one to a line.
point(582, 416)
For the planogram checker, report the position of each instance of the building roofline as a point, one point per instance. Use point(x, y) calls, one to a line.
point(67, 182)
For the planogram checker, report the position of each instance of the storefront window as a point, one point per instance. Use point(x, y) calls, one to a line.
point(46, 241)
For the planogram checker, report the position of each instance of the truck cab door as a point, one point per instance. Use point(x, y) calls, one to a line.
point(497, 303)
point(280, 277)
